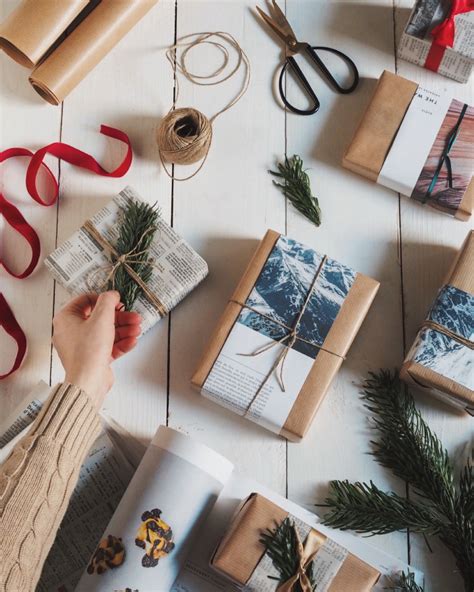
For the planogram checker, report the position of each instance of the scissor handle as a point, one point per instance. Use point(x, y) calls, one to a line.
point(290, 61)
point(322, 66)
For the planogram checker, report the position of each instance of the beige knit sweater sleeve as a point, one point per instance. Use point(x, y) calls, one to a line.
point(36, 482)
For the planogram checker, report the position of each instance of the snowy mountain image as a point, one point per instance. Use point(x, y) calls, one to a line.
point(453, 309)
point(282, 288)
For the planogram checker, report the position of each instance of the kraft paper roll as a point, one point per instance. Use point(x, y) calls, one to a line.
point(32, 28)
point(86, 46)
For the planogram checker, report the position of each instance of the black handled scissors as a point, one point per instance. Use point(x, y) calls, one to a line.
point(278, 23)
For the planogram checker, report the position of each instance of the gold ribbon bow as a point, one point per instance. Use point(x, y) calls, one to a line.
point(124, 260)
point(306, 554)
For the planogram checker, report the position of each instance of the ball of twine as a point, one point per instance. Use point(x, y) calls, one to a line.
point(184, 136)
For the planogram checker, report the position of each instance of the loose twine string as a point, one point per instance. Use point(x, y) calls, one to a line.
point(125, 260)
point(184, 135)
point(287, 340)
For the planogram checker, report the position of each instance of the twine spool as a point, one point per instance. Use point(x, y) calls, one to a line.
point(184, 135)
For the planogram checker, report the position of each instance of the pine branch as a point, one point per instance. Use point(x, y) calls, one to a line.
point(137, 229)
point(281, 546)
point(405, 582)
point(406, 445)
point(297, 188)
point(366, 509)
point(414, 453)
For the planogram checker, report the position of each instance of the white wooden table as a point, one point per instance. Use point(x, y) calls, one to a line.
point(223, 212)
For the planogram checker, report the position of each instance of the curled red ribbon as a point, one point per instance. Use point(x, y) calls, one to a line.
point(16, 220)
point(444, 33)
point(11, 326)
point(77, 158)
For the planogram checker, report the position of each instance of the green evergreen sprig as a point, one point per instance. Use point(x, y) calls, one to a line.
point(405, 582)
point(137, 229)
point(281, 546)
point(406, 445)
point(296, 187)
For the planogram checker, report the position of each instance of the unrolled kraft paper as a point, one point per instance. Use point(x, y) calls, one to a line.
point(86, 46)
point(378, 128)
point(426, 379)
point(240, 551)
point(325, 366)
point(32, 28)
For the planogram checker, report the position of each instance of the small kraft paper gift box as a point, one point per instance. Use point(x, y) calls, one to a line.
point(418, 143)
point(284, 335)
point(440, 37)
point(441, 360)
point(321, 563)
point(84, 262)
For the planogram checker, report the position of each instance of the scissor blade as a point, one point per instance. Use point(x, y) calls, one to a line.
point(282, 21)
point(273, 26)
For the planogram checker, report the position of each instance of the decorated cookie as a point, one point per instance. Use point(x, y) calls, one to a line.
point(109, 554)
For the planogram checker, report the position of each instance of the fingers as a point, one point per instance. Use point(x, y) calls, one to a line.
point(81, 305)
point(123, 318)
point(105, 307)
point(127, 331)
point(123, 346)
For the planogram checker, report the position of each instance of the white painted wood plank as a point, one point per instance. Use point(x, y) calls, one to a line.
point(129, 90)
point(360, 229)
point(223, 212)
point(430, 241)
point(24, 121)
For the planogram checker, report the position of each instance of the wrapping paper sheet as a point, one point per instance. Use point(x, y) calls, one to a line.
point(86, 46)
point(32, 28)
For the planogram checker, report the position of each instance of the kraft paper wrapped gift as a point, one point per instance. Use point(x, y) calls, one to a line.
point(441, 360)
point(418, 143)
point(284, 335)
point(241, 556)
point(439, 36)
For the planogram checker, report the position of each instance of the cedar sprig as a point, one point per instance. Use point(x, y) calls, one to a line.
point(296, 187)
point(281, 546)
point(137, 229)
point(404, 582)
point(406, 445)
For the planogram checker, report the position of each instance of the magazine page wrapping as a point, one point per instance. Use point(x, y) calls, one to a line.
point(146, 543)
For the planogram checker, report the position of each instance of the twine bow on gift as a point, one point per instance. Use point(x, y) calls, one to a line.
point(444, 158)
point(306, 554)
point(125, 261)
point(287, 340)
point(444, 34)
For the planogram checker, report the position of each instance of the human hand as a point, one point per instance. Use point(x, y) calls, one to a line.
point(89, 333)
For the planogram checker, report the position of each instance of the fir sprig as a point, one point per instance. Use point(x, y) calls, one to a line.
point(281, 546)
point(408, 447)
point(405, 582)
point(137, 229)
point(296, 187)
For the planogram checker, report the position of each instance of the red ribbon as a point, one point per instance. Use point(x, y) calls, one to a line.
point(77, 158)
point(444, 33)
point(16, 220)
point(11, 326)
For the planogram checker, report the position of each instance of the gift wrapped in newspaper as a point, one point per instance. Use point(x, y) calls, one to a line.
point(266, 549)
point(441, 360)
point(419, 143)
point(84, 263)
point(283, 335)
point(439, 36)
